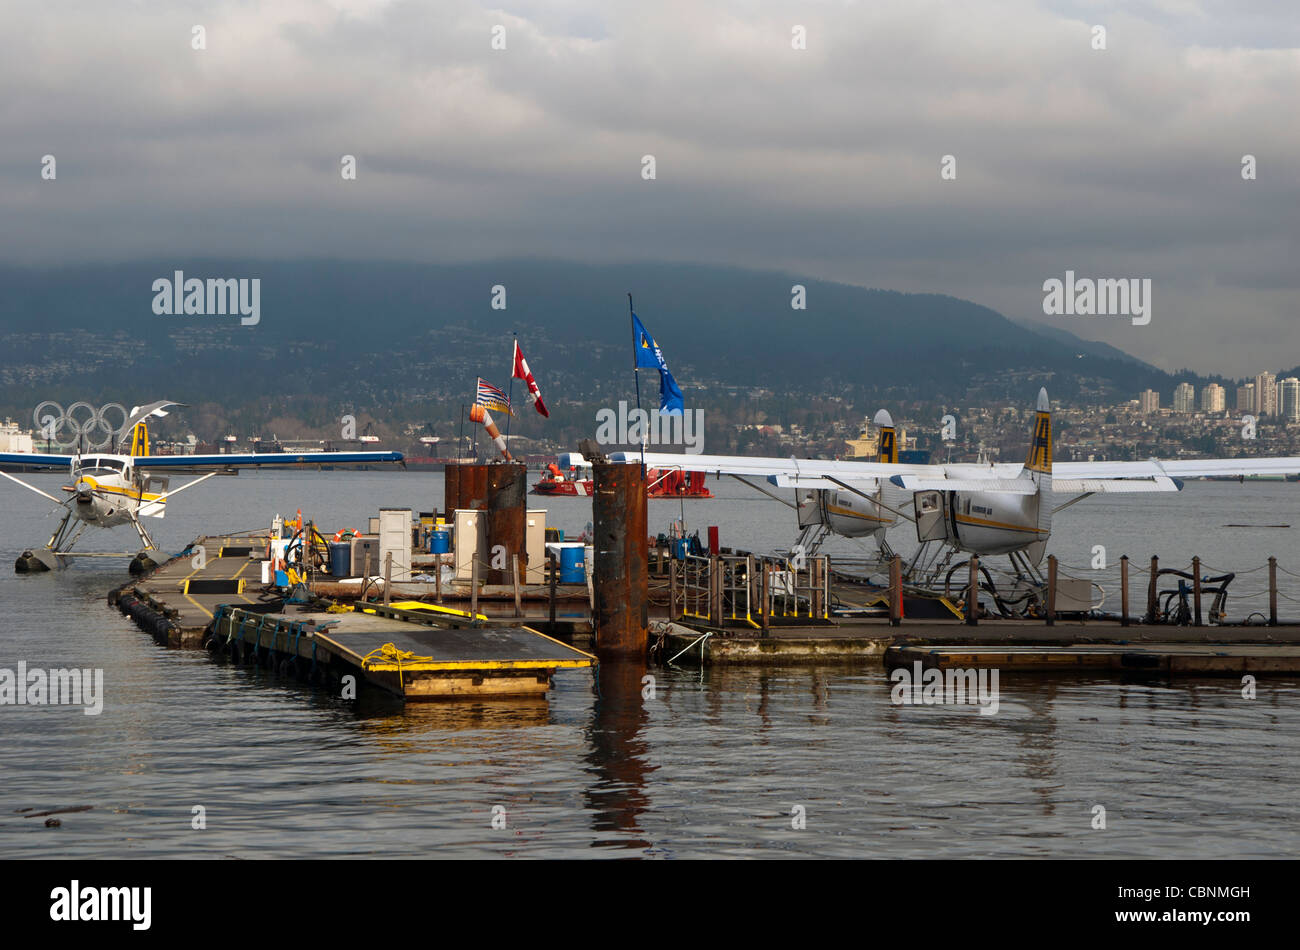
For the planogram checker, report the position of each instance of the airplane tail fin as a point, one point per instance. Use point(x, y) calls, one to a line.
point(1039, 459)
point(888, 451)
point(139, 440)
point(1038, 466)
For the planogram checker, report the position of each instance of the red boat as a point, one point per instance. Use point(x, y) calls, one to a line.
point(662, 483)
point(555, 482)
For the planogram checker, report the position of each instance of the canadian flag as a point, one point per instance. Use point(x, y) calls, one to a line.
point(523, 372)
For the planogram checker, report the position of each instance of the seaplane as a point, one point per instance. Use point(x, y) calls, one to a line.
point(981, 509)
point(108, 490)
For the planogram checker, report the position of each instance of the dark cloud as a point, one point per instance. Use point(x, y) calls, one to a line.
point(825, 161)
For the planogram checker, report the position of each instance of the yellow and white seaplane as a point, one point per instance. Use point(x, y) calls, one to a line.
point(109, 490)
point(982, 509)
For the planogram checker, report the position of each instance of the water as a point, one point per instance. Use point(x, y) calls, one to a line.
point(714, 765)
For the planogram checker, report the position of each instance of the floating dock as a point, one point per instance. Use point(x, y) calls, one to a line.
point(177, 601)
point(411, 649)
point(1028, 646)
point(1169, 659)
point(415, 652)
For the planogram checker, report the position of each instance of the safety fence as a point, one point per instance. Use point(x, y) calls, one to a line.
point(750, 590)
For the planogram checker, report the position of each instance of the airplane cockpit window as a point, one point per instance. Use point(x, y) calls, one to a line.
point(103, 466)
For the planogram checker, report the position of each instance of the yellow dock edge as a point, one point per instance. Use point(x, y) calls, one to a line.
point(426, 667)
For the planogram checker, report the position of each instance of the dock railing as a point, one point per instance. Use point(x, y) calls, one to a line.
point(749, 589)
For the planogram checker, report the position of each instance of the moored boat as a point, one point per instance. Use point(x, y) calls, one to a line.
point(660, 483)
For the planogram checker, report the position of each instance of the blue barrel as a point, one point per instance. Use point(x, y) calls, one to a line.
point(439, 542)
point(681, 548)
point(573, 568)
point(340, 558)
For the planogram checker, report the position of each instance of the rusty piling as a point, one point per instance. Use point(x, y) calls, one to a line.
point(621, 584)
point(506, 492)
point(472, 488)
point(451, 491)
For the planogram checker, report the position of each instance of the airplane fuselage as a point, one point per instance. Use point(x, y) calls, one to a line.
point(989, 523)
point(853, 516)
point(108, 492)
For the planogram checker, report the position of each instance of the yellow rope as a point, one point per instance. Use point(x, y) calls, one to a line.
point(390, 653)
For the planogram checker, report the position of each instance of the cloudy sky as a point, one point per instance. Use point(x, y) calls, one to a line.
point(824, 161)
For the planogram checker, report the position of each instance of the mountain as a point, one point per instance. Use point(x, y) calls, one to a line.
point(1079, 344)
point(402, 336)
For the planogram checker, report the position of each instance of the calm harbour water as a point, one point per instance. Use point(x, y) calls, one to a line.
point(712, 766)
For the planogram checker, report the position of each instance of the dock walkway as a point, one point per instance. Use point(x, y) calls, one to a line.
point(177, 600)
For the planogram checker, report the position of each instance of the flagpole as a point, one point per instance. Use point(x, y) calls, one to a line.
point(460, 437)
point(510, 399)
point(636, 371)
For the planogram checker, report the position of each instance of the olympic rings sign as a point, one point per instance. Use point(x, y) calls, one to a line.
point(73, 428)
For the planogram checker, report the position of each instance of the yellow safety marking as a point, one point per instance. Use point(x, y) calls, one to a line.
point(951, 606)
point(389, 658)
point(590, 656)
point(239, 589)
point(421, 605)
point(390, 667)
point(199, 605)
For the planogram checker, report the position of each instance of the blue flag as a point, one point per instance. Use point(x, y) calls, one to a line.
point(649, 356)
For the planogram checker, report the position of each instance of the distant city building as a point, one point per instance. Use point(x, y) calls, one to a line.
point(14, 439)
point(1184, 397)
point(1213, 398)
point(1266, 394)
point(1289, 390)
point(1149, 401)
point(1246, 398)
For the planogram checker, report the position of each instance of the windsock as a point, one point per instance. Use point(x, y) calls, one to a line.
point(479, 414)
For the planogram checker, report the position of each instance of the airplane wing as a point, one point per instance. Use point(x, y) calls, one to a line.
point(255, 459)
point(1178, 468)
point(1014, 486)
point(35, 459)
point(764, 467)
point(1152, 475)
